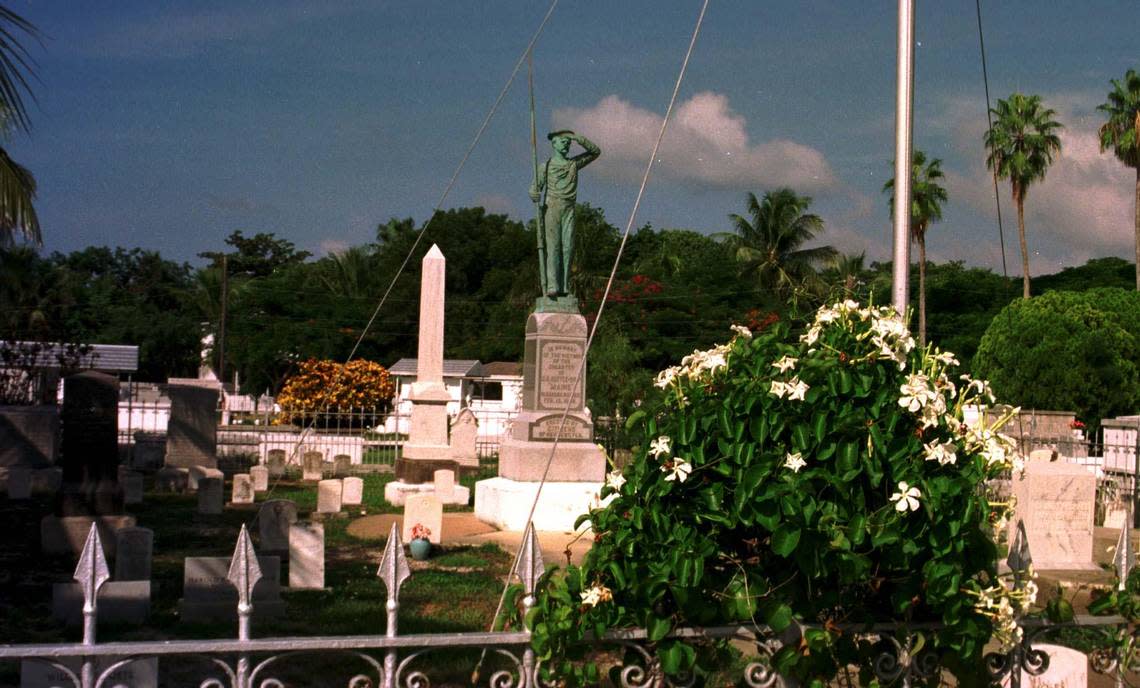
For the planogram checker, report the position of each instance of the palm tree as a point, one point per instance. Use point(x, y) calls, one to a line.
point(1121, 133)
point(17, 185)
point(849, 271)
point(767, 243)
point(926, 199)
point(1021, 147)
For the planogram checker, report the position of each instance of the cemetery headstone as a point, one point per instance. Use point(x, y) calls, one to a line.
point(149, 450)
point(425, 510)
point(342, 464)
point(138, 673)
point(275, 461)
point(329, 494)
point(125, 602)
point(242, 491)
point(197, 473)
point(307, 556)
point(464, 439)
point(29, 435)
point(311, 465)
point(260, 477)
point(46, 480)
point(172, 479)
point(19, 482)
point(273, 521)
point(89, 451)
point(134, 550)
point(207, 595)
point(192, 431)
point(1056, 501)
point(67, 534)
point(210, 496)
point(352, 491)
point(444, 485)
point(132, 488)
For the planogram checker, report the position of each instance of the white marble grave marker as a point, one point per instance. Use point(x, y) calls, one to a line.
point(352, 493)
point(426, 510)
point(329, 496)
point(307, 556)
point(260, 477)
point(242, 492)
point(273, 521)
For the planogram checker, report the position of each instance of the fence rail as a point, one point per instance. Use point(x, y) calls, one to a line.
point(391, 659)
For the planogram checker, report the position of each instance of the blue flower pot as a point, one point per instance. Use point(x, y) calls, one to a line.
point(420, 548)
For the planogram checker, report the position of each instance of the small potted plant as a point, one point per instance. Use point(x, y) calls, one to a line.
point(420, 546)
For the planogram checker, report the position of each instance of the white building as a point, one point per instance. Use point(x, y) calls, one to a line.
point(491, 390)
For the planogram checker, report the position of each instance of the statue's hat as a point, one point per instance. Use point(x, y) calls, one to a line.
point(560, 132)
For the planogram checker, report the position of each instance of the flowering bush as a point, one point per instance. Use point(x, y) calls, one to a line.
point(321, 386)
point(829, 479)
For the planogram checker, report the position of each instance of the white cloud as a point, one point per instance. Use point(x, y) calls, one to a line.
point(705, 147)
point(497, 204)
point(328, 247)
point(1082, 209)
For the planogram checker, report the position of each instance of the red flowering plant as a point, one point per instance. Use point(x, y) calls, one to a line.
point(420, 532)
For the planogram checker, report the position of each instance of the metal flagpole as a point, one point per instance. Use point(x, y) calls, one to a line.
point(904, 98)
point(538, 214)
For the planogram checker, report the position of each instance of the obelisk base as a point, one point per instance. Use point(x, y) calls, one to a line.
point(505, 503)
point(427, 449)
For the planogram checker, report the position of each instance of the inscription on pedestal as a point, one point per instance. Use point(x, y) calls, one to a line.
point(546, 429)
point(558, 364)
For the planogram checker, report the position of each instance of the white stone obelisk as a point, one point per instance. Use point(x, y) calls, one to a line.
point(427, 438)
point(426, 450)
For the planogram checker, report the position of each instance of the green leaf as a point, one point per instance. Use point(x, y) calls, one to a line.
point(778, 617)
point(785, 539)
point(658, 628)
point(848, 457)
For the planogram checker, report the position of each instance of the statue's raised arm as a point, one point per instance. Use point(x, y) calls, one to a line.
point(559, 179)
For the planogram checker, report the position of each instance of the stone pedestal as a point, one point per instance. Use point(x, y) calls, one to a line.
point(505, 503)
point(555, 347)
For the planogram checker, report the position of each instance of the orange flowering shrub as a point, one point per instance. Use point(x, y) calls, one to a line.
point(324, 386)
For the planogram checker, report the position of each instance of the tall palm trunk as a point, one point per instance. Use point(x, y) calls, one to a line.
point(1136, 221)
point(1019, 199)
point(922, 291)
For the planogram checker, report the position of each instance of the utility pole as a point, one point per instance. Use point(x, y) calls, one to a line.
point(904, 100)
point(222, 321)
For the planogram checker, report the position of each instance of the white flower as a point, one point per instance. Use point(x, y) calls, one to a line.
point(906, 499)
point(713, 361)
point(826, 315)
point(679, 471)
point(599, 593)
point(779, 389)
point(660, 446)
point(811, 335)
point(796, 389)
point(942, 452)
point(945, 358)
point(795, 462)
point(615, 480)
point(742, 331)
point(666, 376)
point(916, 392)
point(785, 363)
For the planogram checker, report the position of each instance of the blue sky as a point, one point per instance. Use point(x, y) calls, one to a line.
point(167, 125)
